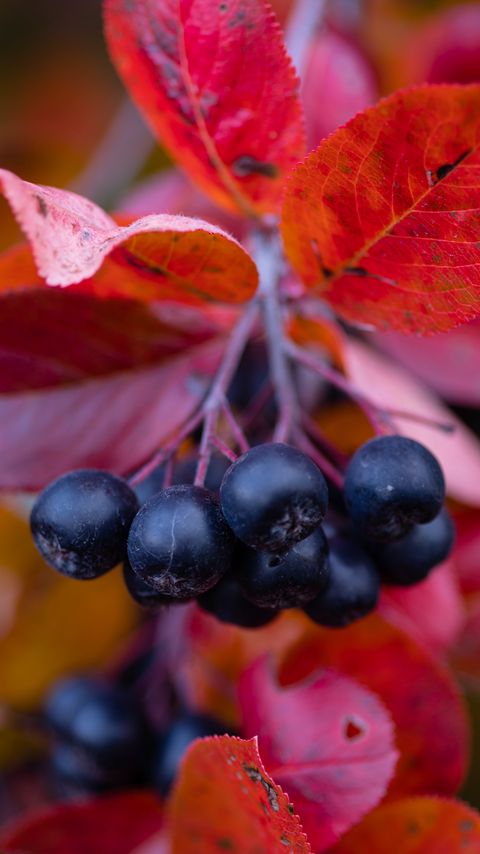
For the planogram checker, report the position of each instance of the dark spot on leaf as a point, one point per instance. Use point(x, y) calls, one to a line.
point(356, 271)
point(285, 840)
point(445, 170)
point(353, 729)
point(255, 775)
point(225, 844)
point(412, 828)
point(291, 809)
point(42, 206)
point(244, 166)
point(222, 7)
point(466, 825)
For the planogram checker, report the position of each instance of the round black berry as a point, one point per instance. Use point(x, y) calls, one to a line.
point(65, 698)
point(80, 522)
point(76, 773)
point(179, 541)
point(410, 559)
point(227, 603)
point(353, 586)
point(144, 594)
point(273, 496)
point(287, 580)
point(391, 484)
point(173, 744)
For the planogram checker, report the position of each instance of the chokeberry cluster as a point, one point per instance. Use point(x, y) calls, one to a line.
point(253, 544)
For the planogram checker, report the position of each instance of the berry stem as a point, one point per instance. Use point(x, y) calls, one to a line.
point(268, 257)
point(380, 420)
point(168, 450)
point(236, 431)
point(304, 443)
point(216, 398)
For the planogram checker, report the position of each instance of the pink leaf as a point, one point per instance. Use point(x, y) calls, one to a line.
point(71, 238)
point(327, 741)
point(432, 612)
point(389, 386)
point(338, 83)
point(115, 422)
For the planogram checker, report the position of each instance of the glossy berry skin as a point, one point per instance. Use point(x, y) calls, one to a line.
point(80, 522)
point(410, 559)
point(144, 594)
point(392, 483)
point(103, 727)
point(179, 542)
point(289, 580)
point(173, 744)
point(353, 587)
point(227, 603)
point(273, 496)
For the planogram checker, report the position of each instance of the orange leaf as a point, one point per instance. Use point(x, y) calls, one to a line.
point(382, 217)
point(416, 826)
point(172, 257)
point(215, 83)
point(224, 800)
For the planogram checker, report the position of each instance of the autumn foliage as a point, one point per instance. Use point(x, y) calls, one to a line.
point(113, 326)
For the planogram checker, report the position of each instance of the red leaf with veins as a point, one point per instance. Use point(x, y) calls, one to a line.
point(214, 81)
point(383, 217)
point(115, 823)
point(156, 257)
point(224, 800)
point(328, 742)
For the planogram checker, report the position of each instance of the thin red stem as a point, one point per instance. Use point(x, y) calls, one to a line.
point(168, 450)
point(223, 448)
point(235, 429)
point(321, 460)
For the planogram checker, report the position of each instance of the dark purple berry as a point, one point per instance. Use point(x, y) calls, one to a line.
point(179, 542)
point(172, 746)
point(410, 559)
point(353, 587)
point(273, 496)
point(144, 594)
point(80, 522)
point(227, 603)
point(287, 580)
point(391, 484)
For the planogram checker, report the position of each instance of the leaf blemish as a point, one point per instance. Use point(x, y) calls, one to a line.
point(42, 206)
point(353, 729)
point(245, 165)
point(257, 777)
point(446, 168)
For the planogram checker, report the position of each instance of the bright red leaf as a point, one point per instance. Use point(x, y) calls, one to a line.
point(465, 655)
point(391, 388)
point(382, 218)
point(416, 609)
point(215, 83)
point(224, 800)
point(117, 823)
point(328, 742)
point(416, 826)
point(431, 729)
point(171, 257)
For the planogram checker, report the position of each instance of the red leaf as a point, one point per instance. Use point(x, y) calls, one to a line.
point(467, 550)
point(431, 730)
point(114, 422)
point(390, 387)
point(224, 800)
point(448, 363)
point(116, 823)
point(432, 612)
point(215, 83)
point(465, 656)
point(172, 257)
point(416, 826)
point(328, 742)
point(383, 217)
point(338, 83)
